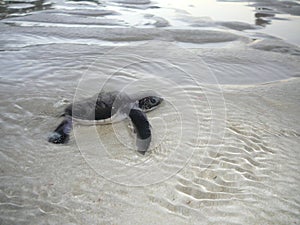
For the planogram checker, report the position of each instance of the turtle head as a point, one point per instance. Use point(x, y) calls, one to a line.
point(149, 103)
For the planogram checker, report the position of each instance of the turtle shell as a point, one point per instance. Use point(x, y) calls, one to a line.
point(104, 108)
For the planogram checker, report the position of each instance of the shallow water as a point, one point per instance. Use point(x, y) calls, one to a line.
point(225, 140)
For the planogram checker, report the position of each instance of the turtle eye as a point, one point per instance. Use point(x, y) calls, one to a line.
point(153, 101)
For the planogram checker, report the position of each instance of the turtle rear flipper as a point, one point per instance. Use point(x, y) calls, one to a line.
point(61, 134)
point(142, 128)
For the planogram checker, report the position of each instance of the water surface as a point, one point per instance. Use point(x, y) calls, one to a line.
point(225, 140)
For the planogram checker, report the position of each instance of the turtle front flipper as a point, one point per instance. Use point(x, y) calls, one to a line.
point(142, 127)
point(61, 134)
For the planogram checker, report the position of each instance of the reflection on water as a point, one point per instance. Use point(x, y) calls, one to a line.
point(262, 22)
point(263, 16)
point(286, 7)
point(18, 7)
point(260, 13)
point(279, 18)
point(265, 11)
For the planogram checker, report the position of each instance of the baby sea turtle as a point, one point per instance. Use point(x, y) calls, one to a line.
point(110, 107)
